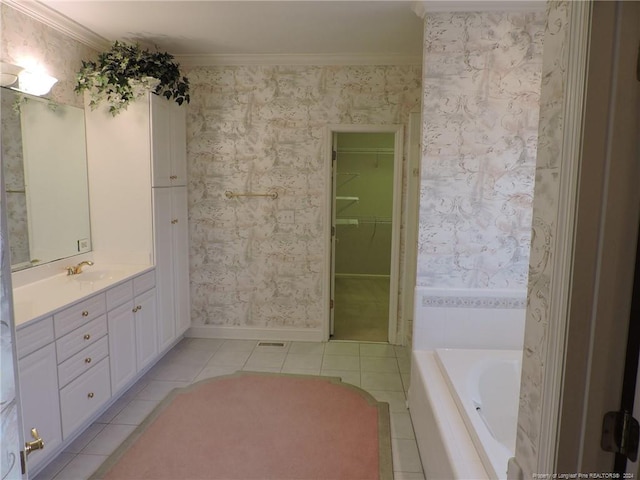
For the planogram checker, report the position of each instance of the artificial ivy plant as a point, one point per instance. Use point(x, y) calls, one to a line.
point(126, 72)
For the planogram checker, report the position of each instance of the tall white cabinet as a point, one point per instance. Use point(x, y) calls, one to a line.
point(138, 201)
point(170, 219)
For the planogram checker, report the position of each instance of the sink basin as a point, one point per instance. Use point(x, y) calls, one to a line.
point(93, 275)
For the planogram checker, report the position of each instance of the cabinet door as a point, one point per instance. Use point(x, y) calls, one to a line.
point(178, 146)
point(40, 401)
point(164, 266)
point(146, 329)
point(161, 141)
point(122, 345)
point(180, 248)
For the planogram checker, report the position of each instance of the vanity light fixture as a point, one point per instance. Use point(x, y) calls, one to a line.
point(35, 83)
point(25, 80)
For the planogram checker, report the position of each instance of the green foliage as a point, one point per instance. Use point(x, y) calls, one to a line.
point(126, 72)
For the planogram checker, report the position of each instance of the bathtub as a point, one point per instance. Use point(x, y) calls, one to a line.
point(464, 406)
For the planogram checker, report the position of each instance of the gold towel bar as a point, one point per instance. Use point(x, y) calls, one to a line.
point(230, 194)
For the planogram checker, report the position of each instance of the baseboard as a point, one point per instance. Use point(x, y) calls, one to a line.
point(255, 333)
point(360, 275)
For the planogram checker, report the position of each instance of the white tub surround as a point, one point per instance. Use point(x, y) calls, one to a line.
point(468, 318)
point(446, 448)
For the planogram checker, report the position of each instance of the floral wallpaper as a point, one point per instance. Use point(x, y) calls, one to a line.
point(260, 129)
point(481, 84)
point(547, 194)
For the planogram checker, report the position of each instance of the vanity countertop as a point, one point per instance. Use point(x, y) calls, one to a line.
point(48, 295)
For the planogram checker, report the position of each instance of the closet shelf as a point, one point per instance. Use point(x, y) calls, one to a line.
point(347, 221)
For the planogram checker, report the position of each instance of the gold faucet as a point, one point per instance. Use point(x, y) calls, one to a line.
point(78, 268)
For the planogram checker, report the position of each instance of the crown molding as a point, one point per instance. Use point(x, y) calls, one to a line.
point(297, 59)
point(59, 22)
point(442, 6)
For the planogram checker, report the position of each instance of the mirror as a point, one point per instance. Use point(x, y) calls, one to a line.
point(45, 169)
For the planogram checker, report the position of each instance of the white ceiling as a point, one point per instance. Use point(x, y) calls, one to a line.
point(203, 31)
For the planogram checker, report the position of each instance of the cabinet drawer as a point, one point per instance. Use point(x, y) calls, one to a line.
point(116, 296)
point(84, 396)
point(81, 338)
point(82, 361)
point(144, 282)
point(34, 336)
point(78, 314)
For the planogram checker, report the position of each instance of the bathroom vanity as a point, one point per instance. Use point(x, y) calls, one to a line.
point(75, 359)
point(83, 339)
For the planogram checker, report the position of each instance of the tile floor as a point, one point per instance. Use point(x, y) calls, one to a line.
point(382, 370)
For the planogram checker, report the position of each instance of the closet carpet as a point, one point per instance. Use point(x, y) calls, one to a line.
point(361, 309)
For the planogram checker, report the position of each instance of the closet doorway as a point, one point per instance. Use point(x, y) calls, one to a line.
point(366, 170)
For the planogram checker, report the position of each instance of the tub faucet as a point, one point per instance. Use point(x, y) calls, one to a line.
point(78, 268)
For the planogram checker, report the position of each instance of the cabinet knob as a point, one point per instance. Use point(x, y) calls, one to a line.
point(135, 309)
point(85, 313)
point(90, 394)
point(87, 336)
point(87, 360)
point(173, 177)
point(139, 307)
point(174, 221)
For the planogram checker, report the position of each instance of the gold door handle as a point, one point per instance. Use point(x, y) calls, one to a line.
point(36, 444)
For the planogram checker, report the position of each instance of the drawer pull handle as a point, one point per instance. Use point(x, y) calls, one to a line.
point(87, 336)
point(87, 360)
point(85, 313)
point(90, 395)
point(36, 444)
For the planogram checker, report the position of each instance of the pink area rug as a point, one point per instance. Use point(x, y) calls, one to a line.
point(259, 426)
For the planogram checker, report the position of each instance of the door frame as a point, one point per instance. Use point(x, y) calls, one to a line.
point(396, 219)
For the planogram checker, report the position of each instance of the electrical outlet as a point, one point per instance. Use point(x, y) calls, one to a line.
point(83, 245)
point(286, 216)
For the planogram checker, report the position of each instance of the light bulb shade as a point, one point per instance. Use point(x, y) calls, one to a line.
point(7, 79)
point(35, 83)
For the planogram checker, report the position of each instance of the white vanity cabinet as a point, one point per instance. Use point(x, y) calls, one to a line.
point(77, 360)
point(132, 329)
point(83, 366)
point(39, 386)
point(146, 320)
